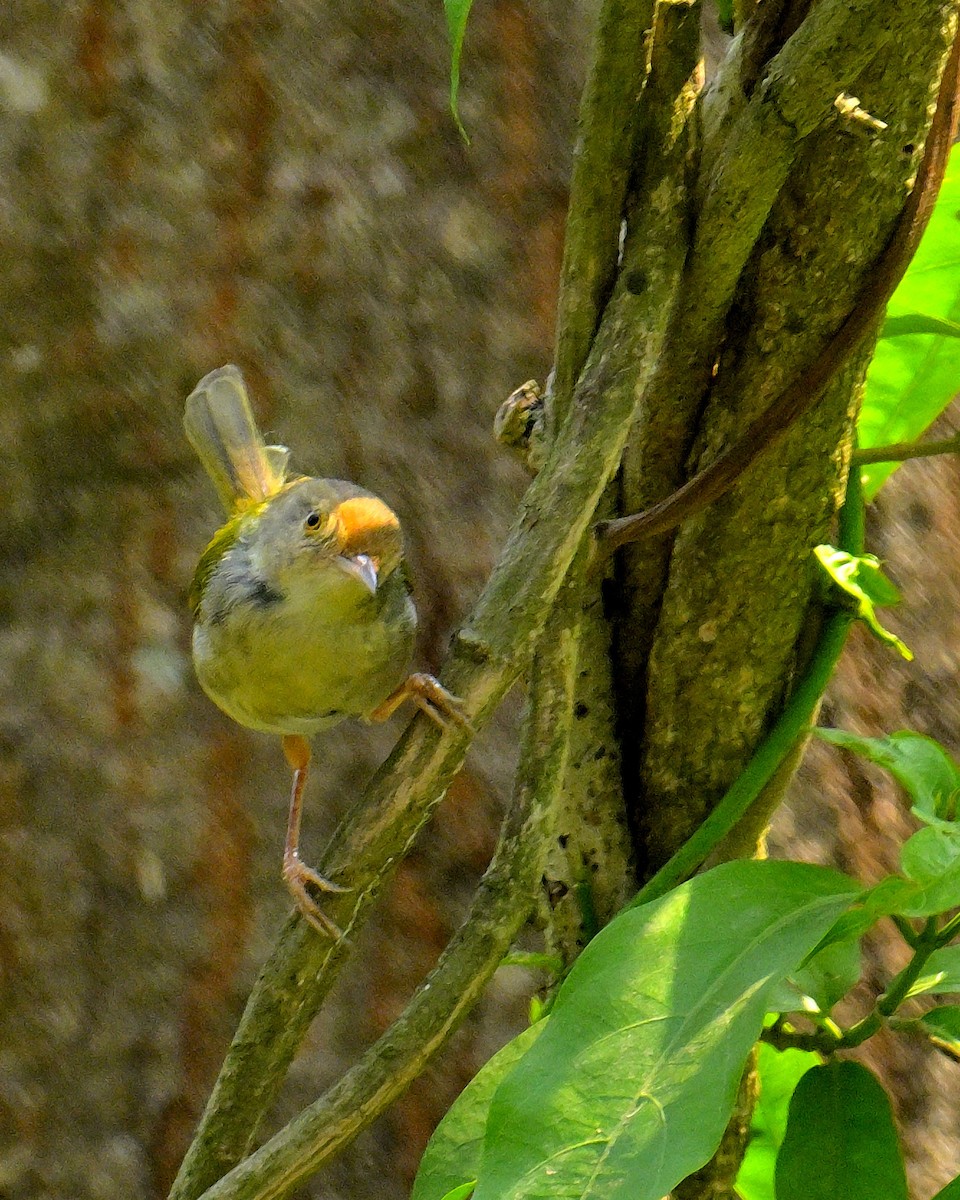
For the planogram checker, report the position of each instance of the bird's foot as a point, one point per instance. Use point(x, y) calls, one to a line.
point(430, 696)
point(301, 881)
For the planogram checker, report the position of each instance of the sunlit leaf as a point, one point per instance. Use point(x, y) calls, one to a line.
point(865, 583)
point(921, 766)
point(630, 1086)
point(453, 1153)
point(463, 1192)
point(915, 371)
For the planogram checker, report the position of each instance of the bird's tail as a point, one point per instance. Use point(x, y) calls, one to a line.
point(221, 428)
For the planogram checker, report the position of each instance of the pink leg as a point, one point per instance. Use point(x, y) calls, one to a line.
point(299, 878)
point(430, 696)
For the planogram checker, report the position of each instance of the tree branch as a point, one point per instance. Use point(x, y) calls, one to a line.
point(488, 654)
point(500, 907)
point(904, 451)
point(717, 478)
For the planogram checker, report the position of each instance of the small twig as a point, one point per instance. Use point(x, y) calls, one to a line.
point(903, 451)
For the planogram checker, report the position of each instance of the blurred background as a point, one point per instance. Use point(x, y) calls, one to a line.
point(280, 185)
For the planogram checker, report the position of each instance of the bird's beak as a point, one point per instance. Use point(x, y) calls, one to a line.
point(362, 567)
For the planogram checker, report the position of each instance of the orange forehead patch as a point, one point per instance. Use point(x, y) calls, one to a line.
point(363, 520)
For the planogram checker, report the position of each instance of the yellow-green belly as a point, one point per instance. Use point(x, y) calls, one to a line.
point(282, 671)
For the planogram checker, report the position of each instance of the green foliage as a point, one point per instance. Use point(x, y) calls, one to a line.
point(942, 1026)
point(821, 981)
point(950, 1192)
point(914, 373)
point(463, 1192)
point(921, 766)
point(456, 12)
point(778, 1073)
point(941, 974)
point(630, 1084)
point(861, 578)
point(840, 1139)
point(453, 1154)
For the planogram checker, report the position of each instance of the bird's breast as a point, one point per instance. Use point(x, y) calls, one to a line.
point(294, 661)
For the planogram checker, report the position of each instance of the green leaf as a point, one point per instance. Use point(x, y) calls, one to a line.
point(825, 978)
point(942, 1026)
point(931, 859)
point(888, 896)
point(921, 766)
point(453, 1153)
point(463, 1192)
point(950, 1192)
point(930, 854)
point(840, 1139)
point(456, 12)
point(863, 580)
point(914, 372)
point(778, 1073)
point(941, 972)
point(630, 1086)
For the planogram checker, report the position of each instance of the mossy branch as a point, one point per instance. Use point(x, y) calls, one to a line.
point(500, 907)
point(488, 654)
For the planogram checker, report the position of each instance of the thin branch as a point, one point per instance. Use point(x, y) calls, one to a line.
point(488, 655)
point(608, 126)
point(500, 907)
point(904, 451)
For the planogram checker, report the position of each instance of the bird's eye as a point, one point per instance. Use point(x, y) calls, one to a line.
point(313, 522)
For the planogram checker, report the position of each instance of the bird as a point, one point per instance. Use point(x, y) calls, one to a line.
point(302, 608)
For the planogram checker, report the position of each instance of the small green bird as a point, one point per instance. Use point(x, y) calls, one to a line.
point(301, 603)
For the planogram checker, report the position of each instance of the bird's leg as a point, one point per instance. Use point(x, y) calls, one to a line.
point(299, 878)
point(430, 696)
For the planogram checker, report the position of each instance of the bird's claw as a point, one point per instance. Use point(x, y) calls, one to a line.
point(431, 697)
point(300, 879)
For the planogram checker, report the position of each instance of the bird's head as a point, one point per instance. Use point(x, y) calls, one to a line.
point(328, 526)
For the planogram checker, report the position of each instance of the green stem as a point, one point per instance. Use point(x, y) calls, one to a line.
point(791, 725)
point(900, 985)
point(896, 993)
point(903, 451)
point(907, 931)
point(949, 931)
